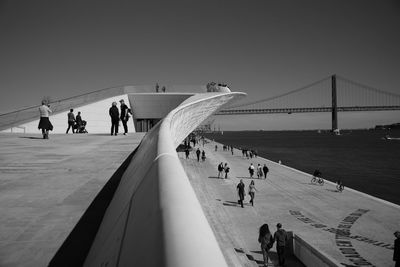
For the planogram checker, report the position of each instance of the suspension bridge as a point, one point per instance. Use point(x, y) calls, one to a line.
point(332, 94)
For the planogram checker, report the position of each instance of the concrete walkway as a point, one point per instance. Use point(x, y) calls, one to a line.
point(349, 227)
point(46, 186)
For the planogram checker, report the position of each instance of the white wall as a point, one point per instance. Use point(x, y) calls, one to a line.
point(96, 115)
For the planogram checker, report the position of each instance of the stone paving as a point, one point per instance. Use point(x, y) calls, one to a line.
point(46, 186)
point(350, 227)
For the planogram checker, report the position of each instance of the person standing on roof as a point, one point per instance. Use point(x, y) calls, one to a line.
point(114, 114)
point(71, 120)
point(44, 123)
point(124, 115)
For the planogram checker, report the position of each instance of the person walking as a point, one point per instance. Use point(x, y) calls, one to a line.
point(252, 192)
point(124, 115)
point(203, 155)
point(44, 122)
point(187, 153)
point(259, 171)
point(220, 169)
point(198, 154)
point(114, 114)
point(241, 192)
point(226, 169)
point(280, 237)
point(396, 252)
point(266, 241)
point(71, 120)
point(265, 170)
point(251, 170)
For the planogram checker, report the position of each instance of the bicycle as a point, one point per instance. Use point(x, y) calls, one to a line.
point(317, 179)
point(339, 186)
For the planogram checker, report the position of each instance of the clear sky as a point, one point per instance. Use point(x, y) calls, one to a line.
point(65, 48)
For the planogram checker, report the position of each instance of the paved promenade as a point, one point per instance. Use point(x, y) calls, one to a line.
point(46, 186)
point(349, 227)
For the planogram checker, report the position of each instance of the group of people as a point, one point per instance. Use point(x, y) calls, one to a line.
point(198, 152)
point(116, 116)
point(249, 153)
point(267, 240)
point(261, 171)
point(223, 168)
point(241, 190)
point(77, 124)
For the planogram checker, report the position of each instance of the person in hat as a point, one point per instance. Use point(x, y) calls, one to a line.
point(280, 237)
point(114, 114)
point(124, 115)
point(396, 252)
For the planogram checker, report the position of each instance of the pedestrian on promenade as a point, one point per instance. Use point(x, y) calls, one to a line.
point(266, 241)
point(198, 154)
point(265, 170)
point(252, 192)
point(203, 155)
point(251, 170)
point(259, 171)
point(71, 120)
point(114, 114)
point(232, 149)
point(124, 115)
point(226, 169)
point(241, 192)
point(280, 237)
point(44, 122)
point(396, 252)
point(187, 153)
point(216, 147)
point(220, 169)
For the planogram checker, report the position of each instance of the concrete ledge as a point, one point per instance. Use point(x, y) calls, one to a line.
point(310, 256)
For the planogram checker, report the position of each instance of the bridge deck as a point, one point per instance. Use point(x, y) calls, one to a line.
point(46, 186)
point(313, 212)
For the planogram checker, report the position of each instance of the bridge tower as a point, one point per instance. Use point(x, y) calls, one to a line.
point(334, 104)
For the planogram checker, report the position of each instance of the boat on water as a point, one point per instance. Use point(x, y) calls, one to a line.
point(387, 137)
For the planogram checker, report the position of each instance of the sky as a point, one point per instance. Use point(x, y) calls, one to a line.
point(263, 48)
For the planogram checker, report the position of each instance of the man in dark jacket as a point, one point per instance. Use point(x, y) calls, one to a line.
point(114, 114)
point(124, 115)
point(280, 237)
point(396, 253)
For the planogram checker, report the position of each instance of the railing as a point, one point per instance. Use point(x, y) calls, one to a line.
point(304, 110)
point(155, 218)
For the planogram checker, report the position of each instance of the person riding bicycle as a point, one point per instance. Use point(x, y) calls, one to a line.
point(339, 186)
point(317, 177)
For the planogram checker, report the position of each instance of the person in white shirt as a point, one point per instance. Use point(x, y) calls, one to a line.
point(44, 123)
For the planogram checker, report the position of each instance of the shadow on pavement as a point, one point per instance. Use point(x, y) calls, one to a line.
point(30, 137)
point(76, 246)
